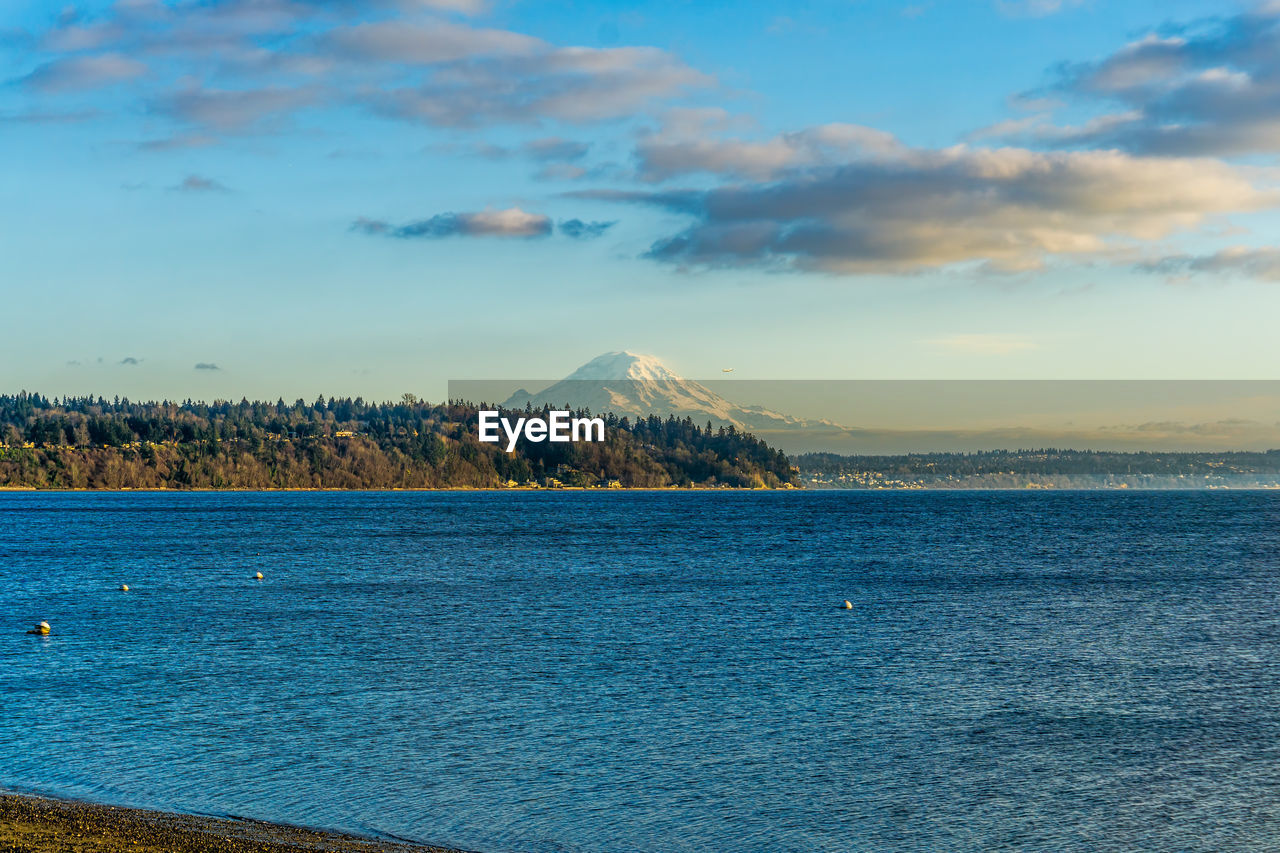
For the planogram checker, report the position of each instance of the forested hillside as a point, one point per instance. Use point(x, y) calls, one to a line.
point(94, 443)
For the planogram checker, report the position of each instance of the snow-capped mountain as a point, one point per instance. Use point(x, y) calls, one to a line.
point(635, 385)
point(623, 365)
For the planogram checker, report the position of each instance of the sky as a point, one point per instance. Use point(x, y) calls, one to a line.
point(225, 198)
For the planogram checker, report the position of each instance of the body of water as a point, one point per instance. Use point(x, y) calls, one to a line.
point(660, 671)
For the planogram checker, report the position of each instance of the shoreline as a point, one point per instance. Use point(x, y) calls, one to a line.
point(626, 489)
point(450, 489)
point(38, 824)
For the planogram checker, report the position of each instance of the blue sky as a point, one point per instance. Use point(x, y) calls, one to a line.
point(369, 198)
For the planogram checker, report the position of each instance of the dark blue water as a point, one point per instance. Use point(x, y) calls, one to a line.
point(658, 671)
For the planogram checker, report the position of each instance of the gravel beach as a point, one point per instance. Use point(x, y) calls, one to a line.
point(40, 825)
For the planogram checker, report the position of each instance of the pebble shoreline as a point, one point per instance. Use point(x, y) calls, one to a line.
point(42, 825)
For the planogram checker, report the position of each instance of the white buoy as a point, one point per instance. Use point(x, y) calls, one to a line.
point(258, 576)
point(124, 587)
point(848, 605)
point(42, 629)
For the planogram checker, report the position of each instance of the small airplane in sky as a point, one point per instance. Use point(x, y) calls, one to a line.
point(726, 370)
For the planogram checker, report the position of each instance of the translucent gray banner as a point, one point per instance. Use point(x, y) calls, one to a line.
point(903, 417)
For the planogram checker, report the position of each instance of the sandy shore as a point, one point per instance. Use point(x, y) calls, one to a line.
point(39, 825)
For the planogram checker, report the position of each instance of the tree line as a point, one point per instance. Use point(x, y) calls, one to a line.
point(99, 443)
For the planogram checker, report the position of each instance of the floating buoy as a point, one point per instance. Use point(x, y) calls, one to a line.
point(258, 576)
point(42, 629)
point(124, 587)
point(848, 605)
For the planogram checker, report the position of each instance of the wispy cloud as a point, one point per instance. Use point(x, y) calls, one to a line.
point(553, 149)
point(1035, 8)
point(221, 67)
point(572, 84)
point(232, 110)
point(558, 159)
point(199, 184)
point(77, 73)
point(688, 148)
point(1263, 264)
point(51, 117)
point(178, 142)
point(428, 43)
point(512, 222)
point(579, 230)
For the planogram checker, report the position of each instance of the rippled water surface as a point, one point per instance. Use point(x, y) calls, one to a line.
point(658, 671)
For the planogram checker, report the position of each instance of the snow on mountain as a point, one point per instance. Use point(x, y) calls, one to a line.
point(623, 365)
point(635, 385)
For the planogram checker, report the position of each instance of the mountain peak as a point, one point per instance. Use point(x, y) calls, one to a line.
point(635, 385)
point(624, 365)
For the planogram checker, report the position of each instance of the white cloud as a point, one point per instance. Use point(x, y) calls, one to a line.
point(1007, 209)
point(1212, 89)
